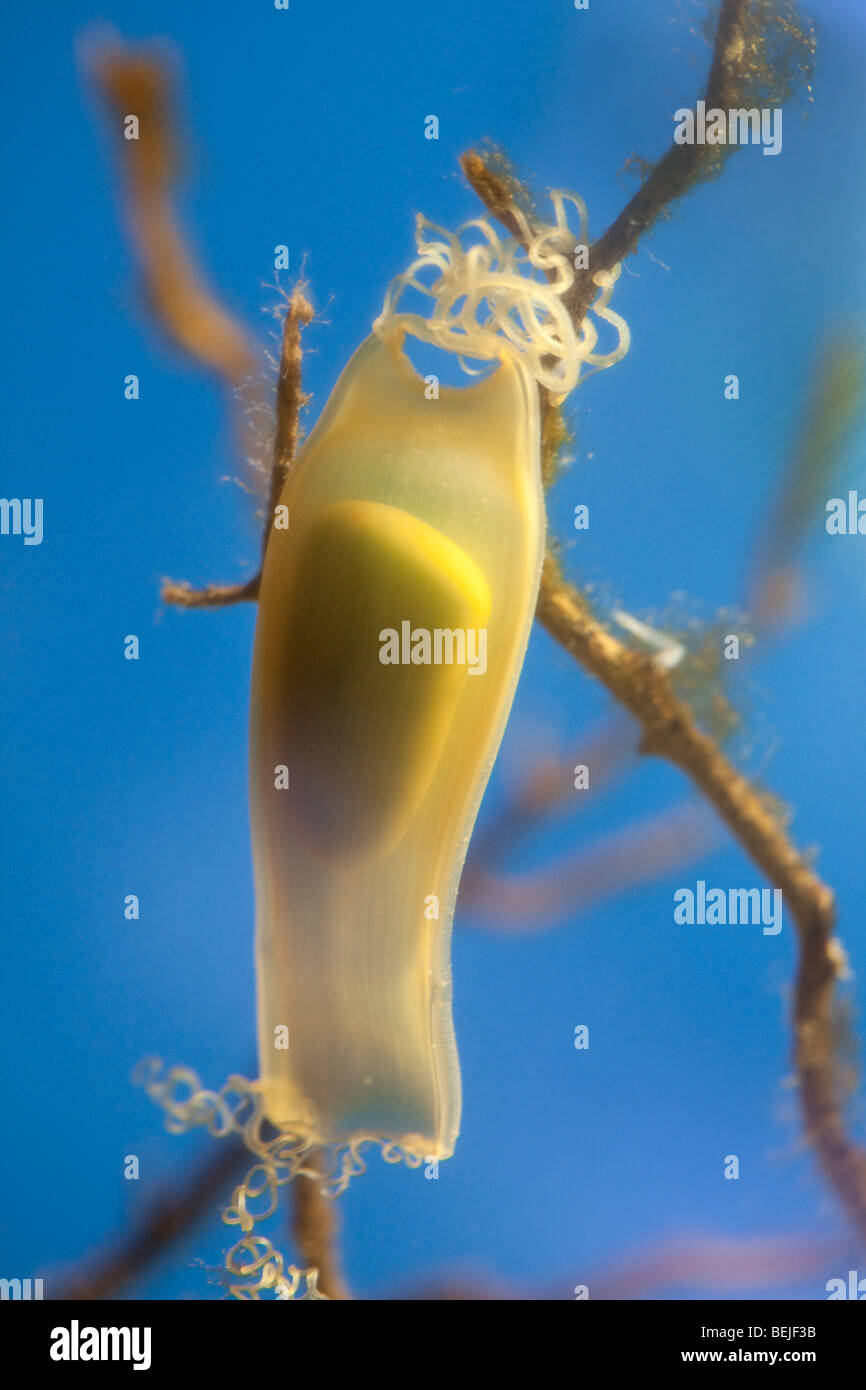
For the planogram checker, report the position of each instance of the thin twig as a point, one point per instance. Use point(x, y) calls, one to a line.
point(183, 595)
point(291, 399)
point(833, 405)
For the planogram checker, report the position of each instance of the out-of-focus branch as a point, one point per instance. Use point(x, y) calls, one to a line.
point(604, 869)
point(135, 83)
point(835, 399)
point(548, 783)
point(170, 1215)
point(726, 1265)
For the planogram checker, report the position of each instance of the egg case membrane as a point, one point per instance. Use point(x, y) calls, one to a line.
point(401, 508)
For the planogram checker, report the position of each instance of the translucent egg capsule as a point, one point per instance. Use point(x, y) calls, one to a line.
point(393, 617)
point(394, 612)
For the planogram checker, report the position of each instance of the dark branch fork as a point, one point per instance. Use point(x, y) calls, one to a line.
point(289, 403)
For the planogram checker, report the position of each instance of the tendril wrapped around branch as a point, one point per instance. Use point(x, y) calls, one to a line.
point(493, 295)
point(282, 1154)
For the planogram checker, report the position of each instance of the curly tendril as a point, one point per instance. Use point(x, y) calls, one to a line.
point(499, 295)
point(281, 1153)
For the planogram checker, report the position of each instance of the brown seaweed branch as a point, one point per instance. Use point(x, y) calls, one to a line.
point(316, 1229)
point(670, 730)
point(290, 401)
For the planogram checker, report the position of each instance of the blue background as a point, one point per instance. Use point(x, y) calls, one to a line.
point(306, 128)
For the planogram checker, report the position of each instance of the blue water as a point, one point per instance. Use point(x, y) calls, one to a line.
point(306, 128)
